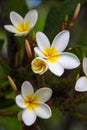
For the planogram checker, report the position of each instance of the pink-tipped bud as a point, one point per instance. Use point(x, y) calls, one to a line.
point(28, 49)
point(76, 12)
point(13, 85)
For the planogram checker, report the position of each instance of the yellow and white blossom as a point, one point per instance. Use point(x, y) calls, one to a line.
point(56, 59)
point(39, 65)
point(22, 26)
point(81, 84)
point(33, 104)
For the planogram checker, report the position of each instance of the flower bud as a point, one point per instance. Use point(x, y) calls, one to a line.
point(13, 85)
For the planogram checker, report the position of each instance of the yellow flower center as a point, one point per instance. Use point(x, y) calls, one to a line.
point(51, 54)
point(39, 66)
point(22, 27)
point(31, 102)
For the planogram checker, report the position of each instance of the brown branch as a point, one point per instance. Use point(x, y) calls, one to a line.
point(7, 113)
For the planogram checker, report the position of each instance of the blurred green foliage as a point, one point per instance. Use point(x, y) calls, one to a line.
point(51, 15)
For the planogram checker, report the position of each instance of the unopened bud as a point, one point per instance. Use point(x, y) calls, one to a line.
point(19, 116)
point(28, 49)
point(76, 12)
point(66, 18)
point(13, 85)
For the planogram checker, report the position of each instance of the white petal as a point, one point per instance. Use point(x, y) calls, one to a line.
point(28, 117)
point(56, 68)
point(85, 65)
point(81, 84)
point(39, 53)
point(16, 19)
point(42, 41)
point(44, 94)
point(69, 60)
point(27, 89)
point(10, 28)
point(31, 17)
point(20, 101)
point(61, 40)
point(43, 111)
point(22, 33)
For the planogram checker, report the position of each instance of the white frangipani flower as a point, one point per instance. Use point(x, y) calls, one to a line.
point(22, 27)
point(56, 59)
point(39, 65)
point(33, 103)
point(81, 84)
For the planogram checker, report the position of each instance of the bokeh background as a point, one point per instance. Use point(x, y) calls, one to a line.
point(69, 108)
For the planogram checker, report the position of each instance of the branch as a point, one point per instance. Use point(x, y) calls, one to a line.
point(7, 113)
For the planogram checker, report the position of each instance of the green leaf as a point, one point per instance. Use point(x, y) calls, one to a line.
point(16, 5)
point(5, 66)
point(6, 102)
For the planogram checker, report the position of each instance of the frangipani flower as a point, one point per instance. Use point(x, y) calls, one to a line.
point(39, 65)
point(81, 84)
point(33, 103)
point(56, 59)
point(22, 27)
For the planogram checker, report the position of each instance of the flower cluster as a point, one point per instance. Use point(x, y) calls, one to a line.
point(48, 57)
point(53, 54)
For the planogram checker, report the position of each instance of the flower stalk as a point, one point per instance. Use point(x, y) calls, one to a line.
point(68, 25)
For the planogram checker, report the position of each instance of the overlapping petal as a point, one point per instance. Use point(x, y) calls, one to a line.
point(56, 68)
point(42, 41)
point(22, 33)
point(16, 19)
point(69, 60)
point(61, 40)
point(43, 111)
point(81, 84)
point(20, 101)
point(44, 94)
point(39, 53)
point(27, 89)
point(31, 17)
point(85, 65)
point(28, 117)
point(39, 65)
